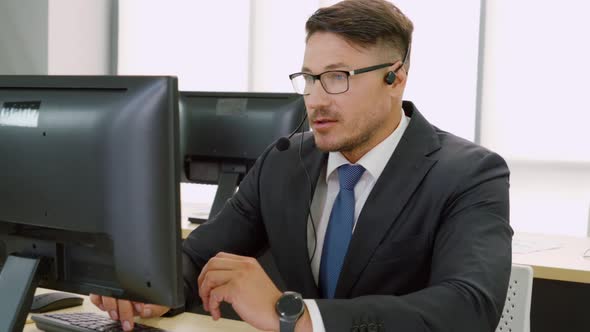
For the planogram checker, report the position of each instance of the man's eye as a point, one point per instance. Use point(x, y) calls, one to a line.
point(339, 76)
point(336, 76)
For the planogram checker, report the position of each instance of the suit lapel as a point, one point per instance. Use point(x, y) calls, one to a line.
point(300, 269)
point(403, 173)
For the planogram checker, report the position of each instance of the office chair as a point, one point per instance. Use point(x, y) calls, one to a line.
point(517, 308)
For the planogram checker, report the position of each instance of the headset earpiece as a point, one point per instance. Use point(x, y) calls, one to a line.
point(390, 78)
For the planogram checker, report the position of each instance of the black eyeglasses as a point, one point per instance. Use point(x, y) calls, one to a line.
point(333, 81)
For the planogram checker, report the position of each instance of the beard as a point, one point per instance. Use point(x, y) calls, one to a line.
point(350, 136)
point(347, 143)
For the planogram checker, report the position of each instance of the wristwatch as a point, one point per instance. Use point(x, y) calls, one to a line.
point(289, 307)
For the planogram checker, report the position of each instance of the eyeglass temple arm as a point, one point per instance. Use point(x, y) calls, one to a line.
point(364, 70)
point(406, 57)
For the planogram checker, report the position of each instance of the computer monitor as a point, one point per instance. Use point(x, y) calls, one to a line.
point(89, 189)
point(223, 133)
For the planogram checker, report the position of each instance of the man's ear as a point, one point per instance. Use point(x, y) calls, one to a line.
point(396, 77)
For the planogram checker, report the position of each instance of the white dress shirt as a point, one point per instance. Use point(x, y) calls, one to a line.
point(325, 194)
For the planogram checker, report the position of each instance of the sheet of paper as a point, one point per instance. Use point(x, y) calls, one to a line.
point(523, 245)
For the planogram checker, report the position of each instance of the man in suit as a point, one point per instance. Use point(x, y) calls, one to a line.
point(378, 219)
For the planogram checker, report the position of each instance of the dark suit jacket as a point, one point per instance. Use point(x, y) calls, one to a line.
point(431, 250)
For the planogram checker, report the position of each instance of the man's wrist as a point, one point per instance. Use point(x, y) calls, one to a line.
point(289, 307)
point(304, 322)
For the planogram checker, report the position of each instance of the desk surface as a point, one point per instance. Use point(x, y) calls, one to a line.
point(566, 263)
point(183, 322)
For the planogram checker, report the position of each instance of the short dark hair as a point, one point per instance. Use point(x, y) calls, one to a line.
point(366, 23)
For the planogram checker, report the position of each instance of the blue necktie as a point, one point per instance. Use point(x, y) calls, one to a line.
point(339, 230)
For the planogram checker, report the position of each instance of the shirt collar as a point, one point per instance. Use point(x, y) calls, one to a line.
point(375, 160)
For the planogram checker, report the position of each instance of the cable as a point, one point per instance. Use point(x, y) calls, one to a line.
point(315, 239)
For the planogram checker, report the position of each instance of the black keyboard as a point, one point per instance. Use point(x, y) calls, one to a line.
point(83, 322)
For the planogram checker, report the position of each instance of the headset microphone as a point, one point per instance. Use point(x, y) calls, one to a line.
point(283, 143)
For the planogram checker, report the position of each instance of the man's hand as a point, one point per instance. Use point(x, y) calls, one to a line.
point(242, 282)
point(124, 310)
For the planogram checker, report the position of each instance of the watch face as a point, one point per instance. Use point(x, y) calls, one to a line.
point(290, 305)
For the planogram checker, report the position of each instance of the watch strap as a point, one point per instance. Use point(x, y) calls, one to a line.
point(287, 326)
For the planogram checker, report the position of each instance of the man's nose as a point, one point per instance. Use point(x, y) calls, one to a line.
point(317, 97)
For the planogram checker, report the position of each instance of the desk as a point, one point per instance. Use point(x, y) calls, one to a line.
point(183, 322)
point(561, 285)
point(564, 264)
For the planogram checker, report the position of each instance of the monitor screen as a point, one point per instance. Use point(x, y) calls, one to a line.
point(223, 133)
point(89, 184)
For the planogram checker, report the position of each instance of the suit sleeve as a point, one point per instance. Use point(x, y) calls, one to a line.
point(470, 268)
point(237, 229)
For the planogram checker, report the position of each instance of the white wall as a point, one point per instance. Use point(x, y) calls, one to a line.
point(278, 42)
point(23, 37)
point(536, 112)
point(79, 37)
point(443, 72)
point(536, 79)
point(203, 43)
point(550, 197)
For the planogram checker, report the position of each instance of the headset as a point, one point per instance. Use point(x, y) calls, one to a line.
point(283, 144)
point(390, 76)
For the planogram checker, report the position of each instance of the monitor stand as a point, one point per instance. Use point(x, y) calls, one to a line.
point(18, 280)
point(226, 187)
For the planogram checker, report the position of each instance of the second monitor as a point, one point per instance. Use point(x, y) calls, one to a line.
point(223, 133)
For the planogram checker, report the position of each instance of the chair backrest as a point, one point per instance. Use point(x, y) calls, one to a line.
point(517, 308)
